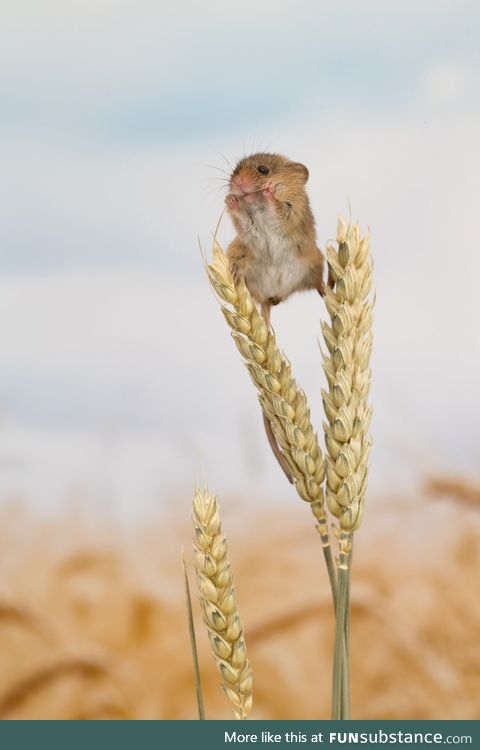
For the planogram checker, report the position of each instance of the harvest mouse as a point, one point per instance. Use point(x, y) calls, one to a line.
point(275, 248)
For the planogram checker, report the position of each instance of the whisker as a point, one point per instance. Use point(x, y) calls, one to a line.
point(225, 159)
point(221, 180)
point(219, 169)
point(213, 190)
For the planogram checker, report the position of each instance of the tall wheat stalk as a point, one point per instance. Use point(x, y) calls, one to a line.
point(346, 364)
point(348, 339)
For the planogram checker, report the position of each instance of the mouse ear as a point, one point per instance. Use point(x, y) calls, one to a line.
point(301, 170)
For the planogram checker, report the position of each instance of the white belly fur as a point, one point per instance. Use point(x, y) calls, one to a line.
point(276, 270)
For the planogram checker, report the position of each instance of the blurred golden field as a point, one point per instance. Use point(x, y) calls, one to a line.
point(93, 626)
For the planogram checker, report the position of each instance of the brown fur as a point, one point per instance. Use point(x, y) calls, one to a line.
point(275, 249)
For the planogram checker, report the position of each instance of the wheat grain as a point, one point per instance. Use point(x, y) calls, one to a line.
point(283, 403)
point(219, 605)
point(349, 342)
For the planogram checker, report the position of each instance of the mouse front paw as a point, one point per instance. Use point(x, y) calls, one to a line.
point(232, 202)
point(269, 191)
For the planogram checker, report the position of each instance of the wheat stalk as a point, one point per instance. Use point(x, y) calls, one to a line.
point(283, 403)
point(219, 605)
point(349, 343)
point(193, 644)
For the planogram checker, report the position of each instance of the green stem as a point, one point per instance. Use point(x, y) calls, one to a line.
point(193, 644)
point(346, 682)
point(340, 686)
point(341, 679)
point(332, 575)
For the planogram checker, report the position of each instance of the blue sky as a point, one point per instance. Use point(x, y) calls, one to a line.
point(130, 71)
point(111, 113)
point(87, 87)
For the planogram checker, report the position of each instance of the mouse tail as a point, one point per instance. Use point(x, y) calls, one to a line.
point(276, 450)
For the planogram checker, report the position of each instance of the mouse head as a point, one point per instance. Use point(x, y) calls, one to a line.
point(253, 173)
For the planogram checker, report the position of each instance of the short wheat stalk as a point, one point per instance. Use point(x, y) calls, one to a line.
point(219, 604)
point(193, 644)
point(349, 342)
point(283, 403)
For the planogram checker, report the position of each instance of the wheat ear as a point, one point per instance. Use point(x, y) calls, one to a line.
point(219, 604)
point(349, 343)
point(283, 403)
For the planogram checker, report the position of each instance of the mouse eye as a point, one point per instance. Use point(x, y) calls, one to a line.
point(262, 169)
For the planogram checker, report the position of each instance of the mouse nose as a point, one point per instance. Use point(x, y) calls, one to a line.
point(242, 183)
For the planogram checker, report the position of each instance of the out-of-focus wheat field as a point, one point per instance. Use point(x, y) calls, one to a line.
point(93, 625)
